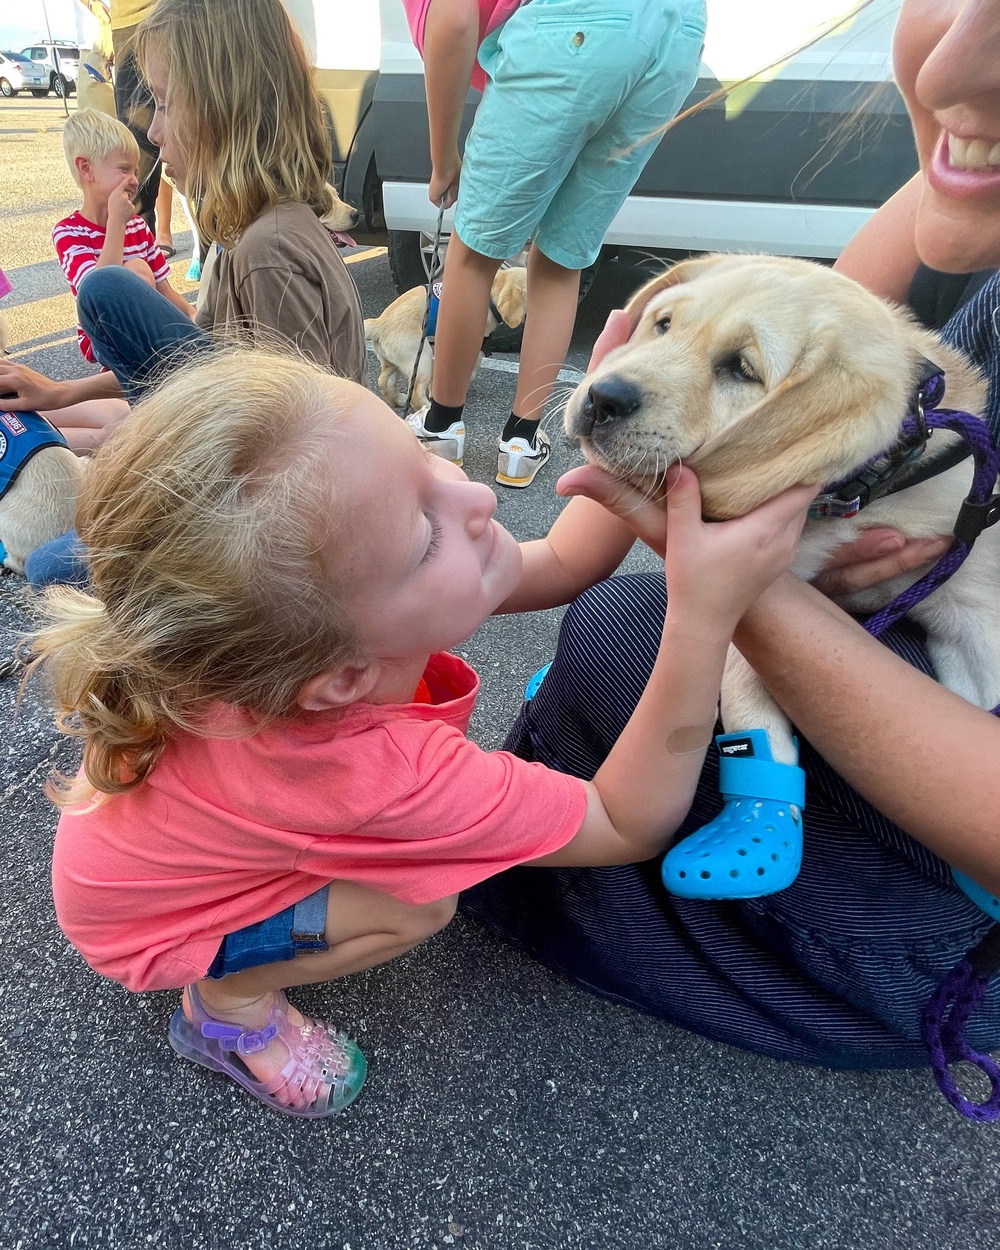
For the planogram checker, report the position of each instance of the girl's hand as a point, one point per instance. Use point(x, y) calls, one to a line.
point(874, 557)
point(646, 517)
point(444, 182)
point(717, 569)
point(24, 390)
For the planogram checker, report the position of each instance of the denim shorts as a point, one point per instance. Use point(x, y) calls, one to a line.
point(562, 133)
point(295, 931)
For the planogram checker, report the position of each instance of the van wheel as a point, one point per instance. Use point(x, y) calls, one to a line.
point(410, 253)
point(61, 86)
point(6, 89)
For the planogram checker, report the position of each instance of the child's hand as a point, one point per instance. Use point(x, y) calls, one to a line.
point(121, 210)
point(717, 569)
point(444, 182)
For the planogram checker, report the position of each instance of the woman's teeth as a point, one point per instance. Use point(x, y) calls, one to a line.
point(973, 153)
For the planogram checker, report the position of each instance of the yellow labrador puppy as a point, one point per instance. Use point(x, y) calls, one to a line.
point(759, 372)
point(395, 335)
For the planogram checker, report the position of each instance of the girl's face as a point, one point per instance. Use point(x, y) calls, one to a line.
point(420, 559)
point(947, 62)
point(161, 131)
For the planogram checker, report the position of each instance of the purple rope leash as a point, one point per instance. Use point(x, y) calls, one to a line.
point(946, 1015)
point(943, 1023)
point(987, 459)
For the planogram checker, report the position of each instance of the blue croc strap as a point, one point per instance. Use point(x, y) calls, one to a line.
point(762, 779)
point(982, 898)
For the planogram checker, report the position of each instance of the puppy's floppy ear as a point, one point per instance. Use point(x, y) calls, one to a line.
point(677, 275)
point(509, 295)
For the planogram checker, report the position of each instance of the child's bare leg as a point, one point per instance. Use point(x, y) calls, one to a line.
point(85, 426)
point(552, 296)
point(364, 928)
point(461, 325)
point(140, 268)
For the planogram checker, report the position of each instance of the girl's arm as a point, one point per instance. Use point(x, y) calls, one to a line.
point(24, 390)
point(920, 754)
point(585, 545)
point(882, 256)
point(451, 40)
point(643, 790)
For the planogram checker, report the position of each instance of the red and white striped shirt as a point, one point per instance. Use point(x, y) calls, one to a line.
point(78, 245)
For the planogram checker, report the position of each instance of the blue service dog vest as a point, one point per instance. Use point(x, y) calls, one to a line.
point(22, 434)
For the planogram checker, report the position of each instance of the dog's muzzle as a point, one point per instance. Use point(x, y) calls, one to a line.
point(607, 400)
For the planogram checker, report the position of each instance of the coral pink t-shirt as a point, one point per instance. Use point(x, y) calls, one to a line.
point(225, 832)
point(492, 13)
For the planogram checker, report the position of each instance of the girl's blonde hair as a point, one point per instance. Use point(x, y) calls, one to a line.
point(96, 135)
point(205, 519)
point(241, 99)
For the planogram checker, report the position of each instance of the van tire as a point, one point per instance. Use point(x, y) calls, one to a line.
point(408, 269)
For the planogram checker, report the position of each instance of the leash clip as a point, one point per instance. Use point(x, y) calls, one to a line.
point(973, 518)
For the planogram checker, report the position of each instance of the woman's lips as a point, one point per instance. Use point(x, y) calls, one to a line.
point(962, 183)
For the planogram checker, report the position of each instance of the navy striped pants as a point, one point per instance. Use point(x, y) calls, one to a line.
point(832, 971)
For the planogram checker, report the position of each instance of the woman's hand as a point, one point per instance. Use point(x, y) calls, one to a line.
point(717, 569)
point(876, 556)
point(24, 390)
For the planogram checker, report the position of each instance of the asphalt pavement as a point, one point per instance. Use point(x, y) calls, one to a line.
point(505, 1109)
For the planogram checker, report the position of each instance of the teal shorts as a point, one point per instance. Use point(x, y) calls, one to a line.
point(576, 87)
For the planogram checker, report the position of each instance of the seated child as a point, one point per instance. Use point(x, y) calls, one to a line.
point(276, 786)
point(103, 157)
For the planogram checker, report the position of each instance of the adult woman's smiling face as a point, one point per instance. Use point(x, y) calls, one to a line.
point(947, 61)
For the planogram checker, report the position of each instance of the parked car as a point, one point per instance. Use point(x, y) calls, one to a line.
point(17, 73)
point(60, 63)
point(791, 164)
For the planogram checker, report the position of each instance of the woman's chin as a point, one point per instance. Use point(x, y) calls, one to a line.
point(957, 236)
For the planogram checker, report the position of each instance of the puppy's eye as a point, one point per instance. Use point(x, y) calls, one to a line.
point(737, 366)
point(662, 324)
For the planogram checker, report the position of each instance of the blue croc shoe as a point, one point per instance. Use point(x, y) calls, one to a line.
point(754, 845)
point(982, 898)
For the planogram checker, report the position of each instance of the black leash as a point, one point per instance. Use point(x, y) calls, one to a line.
point(431, 275)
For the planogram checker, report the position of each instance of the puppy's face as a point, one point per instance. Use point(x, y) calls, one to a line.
point(340, 215)
point(757, 371)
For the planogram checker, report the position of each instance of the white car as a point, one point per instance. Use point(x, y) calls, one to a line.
point(17, 73)
point(60, 63)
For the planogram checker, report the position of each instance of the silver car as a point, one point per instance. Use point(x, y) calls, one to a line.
point(18, 73)
point(60, 63)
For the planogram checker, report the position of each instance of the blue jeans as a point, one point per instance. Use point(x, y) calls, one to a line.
point(140, 336)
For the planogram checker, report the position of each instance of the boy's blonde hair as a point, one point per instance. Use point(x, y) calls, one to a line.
point(96, 136)
point(241, 99)
point(205, 519)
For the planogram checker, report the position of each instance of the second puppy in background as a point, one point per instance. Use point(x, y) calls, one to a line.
point(395, 335)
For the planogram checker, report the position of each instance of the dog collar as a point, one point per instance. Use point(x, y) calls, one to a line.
point(892, 470)
point(22, 435)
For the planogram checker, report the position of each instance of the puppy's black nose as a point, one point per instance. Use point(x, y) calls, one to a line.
point(611, 399)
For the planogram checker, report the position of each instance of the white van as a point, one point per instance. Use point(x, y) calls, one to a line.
point(782, 166)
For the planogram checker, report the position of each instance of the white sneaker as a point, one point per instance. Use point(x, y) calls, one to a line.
point(518, 461)
point(449, 444)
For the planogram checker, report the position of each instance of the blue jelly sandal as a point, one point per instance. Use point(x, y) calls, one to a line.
point(324, 1066)
point(754, 845)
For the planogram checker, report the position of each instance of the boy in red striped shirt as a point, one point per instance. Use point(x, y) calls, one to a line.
point(103, 158)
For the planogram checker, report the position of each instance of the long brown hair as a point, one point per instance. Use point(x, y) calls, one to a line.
point(241, 98)
point(205, 518)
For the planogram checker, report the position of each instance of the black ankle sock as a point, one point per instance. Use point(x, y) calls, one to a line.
point(440, 416)
point(519, 427)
